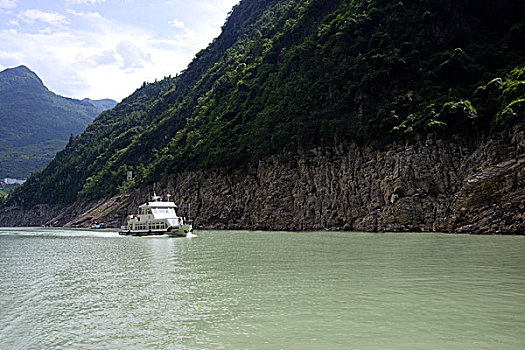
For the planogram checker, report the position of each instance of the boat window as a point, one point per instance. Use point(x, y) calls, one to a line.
point(163, 211)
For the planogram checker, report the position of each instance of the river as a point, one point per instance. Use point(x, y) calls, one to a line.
point(78, 289)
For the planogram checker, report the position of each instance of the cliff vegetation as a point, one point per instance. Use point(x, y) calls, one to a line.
point(287, 76)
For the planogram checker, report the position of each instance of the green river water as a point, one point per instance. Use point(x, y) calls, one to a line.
point(74, 289)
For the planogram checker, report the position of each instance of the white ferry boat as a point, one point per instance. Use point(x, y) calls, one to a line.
point(157, 218)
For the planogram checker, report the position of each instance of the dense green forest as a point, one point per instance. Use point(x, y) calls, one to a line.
point(288, 75)
point(35, 123)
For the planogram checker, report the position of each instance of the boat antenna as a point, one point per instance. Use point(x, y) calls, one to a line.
point(155, 197)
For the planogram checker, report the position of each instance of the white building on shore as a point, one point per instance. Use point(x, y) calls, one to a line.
point(10, 181)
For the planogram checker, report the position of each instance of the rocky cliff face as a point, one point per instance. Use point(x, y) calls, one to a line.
point(434, 183)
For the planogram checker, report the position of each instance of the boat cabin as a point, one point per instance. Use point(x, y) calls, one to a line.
point(156, 217)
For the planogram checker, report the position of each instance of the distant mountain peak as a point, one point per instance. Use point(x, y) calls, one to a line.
point(21, 75)
point(21, 71)
point(21, 68)
point(35, 122)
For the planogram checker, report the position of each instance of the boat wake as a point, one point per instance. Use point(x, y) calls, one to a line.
point(55, 232)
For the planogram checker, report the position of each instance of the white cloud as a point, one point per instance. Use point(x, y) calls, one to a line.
point(98, 57)
point(132, 56)
point(177, 23)
point(8, 4)
point(103, 59)
point(188, 38)
point(13, 23)
point(90, 2)
point(52, 18)
point(218, 6)
point(88, 15)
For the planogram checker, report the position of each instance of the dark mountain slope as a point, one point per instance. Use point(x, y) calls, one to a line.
point(366, 71)
point(35, 123)
point(290, 75)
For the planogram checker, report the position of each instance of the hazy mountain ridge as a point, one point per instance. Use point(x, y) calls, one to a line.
point(35, 123)
point(102, 105)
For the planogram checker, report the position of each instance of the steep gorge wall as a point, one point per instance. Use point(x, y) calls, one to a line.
point(434, 183)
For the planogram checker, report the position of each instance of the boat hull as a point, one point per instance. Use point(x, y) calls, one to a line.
point(173, 231)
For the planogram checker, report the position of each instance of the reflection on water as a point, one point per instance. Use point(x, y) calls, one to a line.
point(64, 289)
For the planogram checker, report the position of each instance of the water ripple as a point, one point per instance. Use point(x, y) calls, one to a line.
point(72, 289)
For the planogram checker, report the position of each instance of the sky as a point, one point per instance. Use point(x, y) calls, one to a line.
point(106, 48)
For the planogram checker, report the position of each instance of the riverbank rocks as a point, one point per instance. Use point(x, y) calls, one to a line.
point(441, 184)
